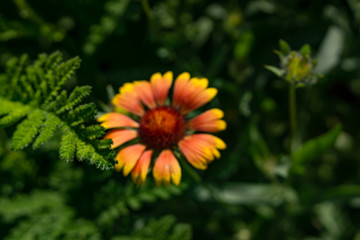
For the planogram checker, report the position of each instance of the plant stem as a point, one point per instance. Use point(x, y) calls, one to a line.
point(292, 112)
point(191, 171)
point(199, 181)
point(3, 141)
point(146, 7)
point(147, 10)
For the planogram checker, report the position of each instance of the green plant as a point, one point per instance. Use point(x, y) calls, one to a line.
point(35, 92)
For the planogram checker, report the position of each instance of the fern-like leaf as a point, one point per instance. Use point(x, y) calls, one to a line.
point(27, 130)
point(44, 215)
point(47, 130)
point(35, 91)
point(11, 112)
point(68, 146)
point(165, 228)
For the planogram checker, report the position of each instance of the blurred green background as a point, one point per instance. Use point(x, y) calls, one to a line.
point(249, 193)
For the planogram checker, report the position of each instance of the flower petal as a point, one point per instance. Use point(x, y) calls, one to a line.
point(129, 100)
point(121, 136)
point(161, 85)
point(195, 154)
point(211, 139)
point(141, 168)
point(191, 90)
point(200, 99)
point(167, 168)
point(190, 94)
point(201, 149)
point(128, 156)
point(208, 121)
point(145, 93)
point(117, 120)
point(180, 89)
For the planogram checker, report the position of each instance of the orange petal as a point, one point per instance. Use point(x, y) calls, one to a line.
point(208, 121)
point(129, 100)
point(211, 139)
point(161, 85)
point(201, 149)
point(195, 154)
point(192, 89)
point(117, 120)
point(121, 136)
point(180, 89)
point(141, 168)
point(167, 168)
point(200, 99)
point(190, 94)
point(145, 93)
point(128, 157)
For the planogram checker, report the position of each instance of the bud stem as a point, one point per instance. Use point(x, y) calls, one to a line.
point(292, 112)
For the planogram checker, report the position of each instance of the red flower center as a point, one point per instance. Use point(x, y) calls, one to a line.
point(162, 127)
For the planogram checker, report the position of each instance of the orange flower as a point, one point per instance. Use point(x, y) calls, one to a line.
point(157, 128)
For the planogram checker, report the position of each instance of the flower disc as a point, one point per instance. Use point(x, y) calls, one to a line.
point(162, 127)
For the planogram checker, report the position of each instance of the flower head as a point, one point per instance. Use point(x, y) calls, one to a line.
point(296, 67)
point(156, 127)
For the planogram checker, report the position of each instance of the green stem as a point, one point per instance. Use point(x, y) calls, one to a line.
point(4, 141)
point(191, 171)
point(198, 180)
point(292, 112)
point(147, 10)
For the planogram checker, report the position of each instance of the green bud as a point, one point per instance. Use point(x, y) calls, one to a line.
point(296, 67)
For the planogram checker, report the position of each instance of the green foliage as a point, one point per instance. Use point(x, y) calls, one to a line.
point(44, 215)
point(164, 228)
point(98, 32)
point(33, 25)
point(314, 148)
point(251, 194)
point(131, 198)
point(33, 90)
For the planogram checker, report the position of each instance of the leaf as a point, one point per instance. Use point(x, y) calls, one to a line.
point(284, 47)
point(47, 130)
point(25, 205)
point(164, 228)
point(46, 226)
point(332, 219)
point(314, 148)
point(13, 112)
point(63, 72)
point(35, 91)
point(67, 147)
point(75, 98)
point(181, 232)
point(305, 50)
point(27, 130)
point(340, 193)
point(43, 215)
point(331, 49)
point(277, 71)
point(249, 194)
point(81, 229)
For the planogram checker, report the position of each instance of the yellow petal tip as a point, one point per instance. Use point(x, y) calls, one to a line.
point(220, 144)
point(222, 125)
point(184, 75)
point(155, 76)
point(218, 112)
point(169, 75)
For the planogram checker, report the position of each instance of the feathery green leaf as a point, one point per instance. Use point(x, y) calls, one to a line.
point(34, 92)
